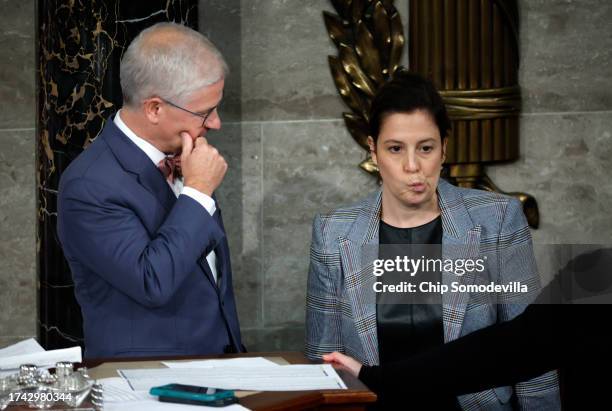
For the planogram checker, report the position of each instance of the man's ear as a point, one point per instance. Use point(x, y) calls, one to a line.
point(372, 145)
point(153, 108)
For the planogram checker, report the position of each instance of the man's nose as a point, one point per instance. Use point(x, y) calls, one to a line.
point(213, 121)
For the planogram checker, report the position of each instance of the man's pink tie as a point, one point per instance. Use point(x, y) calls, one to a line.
point(170, 168)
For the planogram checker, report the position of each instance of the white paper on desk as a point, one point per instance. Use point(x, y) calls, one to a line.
point(42, 358)
point(118, 390)
point(118, 396)
point(154, 405)
point(230, 362)
point(29, 346)
point(281, 378)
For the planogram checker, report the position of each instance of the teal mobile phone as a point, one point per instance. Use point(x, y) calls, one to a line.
point(191, 392)
point(216, 403)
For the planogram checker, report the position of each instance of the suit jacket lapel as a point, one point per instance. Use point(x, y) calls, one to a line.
point(154, 182)
point(223, 256)
point(358, 252)
point(223, 265)
point(203, 262)
point(460, 240)
point(135, 161)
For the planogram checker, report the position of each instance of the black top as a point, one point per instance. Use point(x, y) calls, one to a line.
point(410, 322)
point(553, 333)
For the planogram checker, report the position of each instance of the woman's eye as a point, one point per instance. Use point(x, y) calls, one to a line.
point(395, 149)
point(427, 149)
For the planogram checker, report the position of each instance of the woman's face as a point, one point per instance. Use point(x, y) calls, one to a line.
point(409, 154)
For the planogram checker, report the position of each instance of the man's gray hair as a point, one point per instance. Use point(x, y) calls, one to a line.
point(170, 61)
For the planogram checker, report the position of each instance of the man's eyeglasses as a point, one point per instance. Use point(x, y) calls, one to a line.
point(204, 116)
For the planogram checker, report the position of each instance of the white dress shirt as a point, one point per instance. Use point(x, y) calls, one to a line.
point(178, 188)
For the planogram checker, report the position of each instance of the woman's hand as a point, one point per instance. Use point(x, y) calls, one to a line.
point(344, 361)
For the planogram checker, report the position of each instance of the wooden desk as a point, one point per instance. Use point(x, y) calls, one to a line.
point(355, 398)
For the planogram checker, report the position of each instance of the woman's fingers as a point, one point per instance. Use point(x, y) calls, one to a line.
point(348, 363)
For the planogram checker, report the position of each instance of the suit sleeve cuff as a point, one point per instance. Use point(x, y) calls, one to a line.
point(372, 377)
point(204, 200)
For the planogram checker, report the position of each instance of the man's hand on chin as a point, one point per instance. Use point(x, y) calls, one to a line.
point(202, 165)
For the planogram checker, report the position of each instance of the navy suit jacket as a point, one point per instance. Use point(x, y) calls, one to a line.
point(138, 257)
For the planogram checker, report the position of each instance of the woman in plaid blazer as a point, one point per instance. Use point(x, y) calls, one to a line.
point(410, 125)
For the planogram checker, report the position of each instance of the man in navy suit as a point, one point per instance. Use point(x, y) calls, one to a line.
point(138, 221)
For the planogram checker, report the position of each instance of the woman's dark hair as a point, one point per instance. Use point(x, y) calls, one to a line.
point(406, 93)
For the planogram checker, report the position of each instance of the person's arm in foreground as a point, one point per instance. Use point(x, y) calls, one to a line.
point(502, 354)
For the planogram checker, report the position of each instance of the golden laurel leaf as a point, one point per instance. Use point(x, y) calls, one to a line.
point(350, 64)
point(345, 87)
point(369, 37)
point(358, 129)
point(335, 29)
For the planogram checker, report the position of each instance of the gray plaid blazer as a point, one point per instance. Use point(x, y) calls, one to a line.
point(341, 303)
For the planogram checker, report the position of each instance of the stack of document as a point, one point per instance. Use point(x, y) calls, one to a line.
point(30, 352)
point(237, 377)
point(251, 374)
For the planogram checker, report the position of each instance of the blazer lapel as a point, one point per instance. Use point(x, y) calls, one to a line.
point(154, 182)
point(460, 240)
point(223, 257)
point(135, 161)
point(223, 265)
point(203, 262)
point(358, 252)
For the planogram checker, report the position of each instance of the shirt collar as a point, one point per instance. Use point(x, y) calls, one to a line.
point(149, 149)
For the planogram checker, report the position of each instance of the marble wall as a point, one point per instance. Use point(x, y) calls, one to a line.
point(17, 177)
point(291, 157)
point(566, 127)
